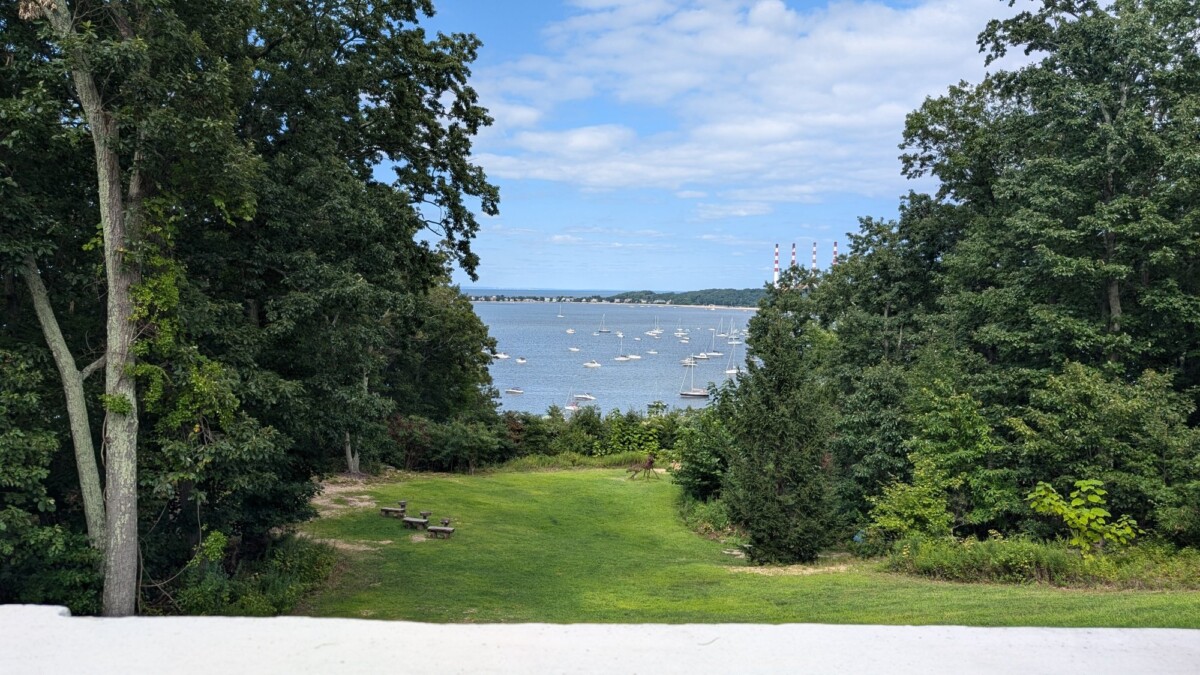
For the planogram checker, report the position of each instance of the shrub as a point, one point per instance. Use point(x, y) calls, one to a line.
point(708, 518)
point(268, 587)
point(1020, 560)
point(1084, 515)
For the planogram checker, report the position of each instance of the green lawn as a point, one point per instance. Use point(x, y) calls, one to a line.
point(591, 546)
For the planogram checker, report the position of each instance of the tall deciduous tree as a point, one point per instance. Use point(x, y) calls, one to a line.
point(257, 269)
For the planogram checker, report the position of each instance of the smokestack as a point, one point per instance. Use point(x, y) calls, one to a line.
point(835, 253)
point(814, 267)
point(793, 254)
point(776, 282)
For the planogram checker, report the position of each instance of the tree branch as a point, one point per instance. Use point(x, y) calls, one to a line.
point(92, 367)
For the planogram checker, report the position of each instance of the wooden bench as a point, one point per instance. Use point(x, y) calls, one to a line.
point(440, 532)
point(388, 512)
point(416, 523)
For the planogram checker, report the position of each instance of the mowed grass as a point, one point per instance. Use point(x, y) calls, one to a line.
point(592, 546)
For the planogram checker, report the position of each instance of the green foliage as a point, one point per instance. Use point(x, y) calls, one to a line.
point(626, 433)
point(1133, 436)
point(778, 483)
point(995, 559)
point(291, 568)
point(1020, 560)
point(702, 450)
point(41, 559)
point(708, 519)
point(917, 508)
point(1084, 515)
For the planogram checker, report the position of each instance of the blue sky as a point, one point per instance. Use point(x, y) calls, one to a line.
point(669, 144)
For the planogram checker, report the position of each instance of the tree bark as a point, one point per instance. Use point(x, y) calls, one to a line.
point(352, 457)
point(77, 415)
point(119, 227)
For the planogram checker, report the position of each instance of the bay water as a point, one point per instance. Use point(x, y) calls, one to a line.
point(552, 374)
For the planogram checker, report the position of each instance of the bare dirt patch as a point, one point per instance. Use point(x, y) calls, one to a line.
point(789, 570)
point(418, 538)
point(337, 496)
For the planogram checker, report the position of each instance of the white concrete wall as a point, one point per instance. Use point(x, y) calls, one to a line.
point(37, 639)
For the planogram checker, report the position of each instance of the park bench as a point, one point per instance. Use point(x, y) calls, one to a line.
point(416, 523)
point(389, 512)
point(440, 532)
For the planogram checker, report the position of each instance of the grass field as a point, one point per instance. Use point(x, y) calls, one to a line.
point(592, 546)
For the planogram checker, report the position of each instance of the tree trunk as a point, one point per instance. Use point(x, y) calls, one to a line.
point(119, 228)
point(77, 415)
point(352, 457)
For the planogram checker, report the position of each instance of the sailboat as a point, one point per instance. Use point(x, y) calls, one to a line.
point(712, 350)
point(622, 356)
point(734, 338)
point(514, 390)
point(730, 368)
point(602, 328)
point(693, 391)
point(560, 314)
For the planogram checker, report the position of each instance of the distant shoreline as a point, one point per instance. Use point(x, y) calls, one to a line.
point(531, 301)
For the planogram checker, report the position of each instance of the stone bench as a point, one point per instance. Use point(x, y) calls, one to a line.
point(389, 512)
point(440, 532)
point(416, 523)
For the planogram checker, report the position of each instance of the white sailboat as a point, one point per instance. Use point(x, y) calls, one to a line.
point(712, 350)
point(730, 368)
point(560, 314)
point(693, 391)
point(602, 329)
point(621, 355)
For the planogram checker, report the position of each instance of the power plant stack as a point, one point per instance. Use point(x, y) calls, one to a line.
point(793, 254)
point(835, 253)
point(814, 267)
point(776, 282)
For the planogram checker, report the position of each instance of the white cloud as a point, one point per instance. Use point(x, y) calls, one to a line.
point(736, 210)
point(565, 239)
point(763, 102)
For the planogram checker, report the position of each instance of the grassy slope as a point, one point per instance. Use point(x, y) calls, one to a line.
point(591, 546)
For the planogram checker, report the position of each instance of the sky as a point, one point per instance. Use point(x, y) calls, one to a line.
point(670, 144)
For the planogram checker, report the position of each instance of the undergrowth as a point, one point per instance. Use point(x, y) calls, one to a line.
point(573, 460)
point(1148, 566)
point(293, 567)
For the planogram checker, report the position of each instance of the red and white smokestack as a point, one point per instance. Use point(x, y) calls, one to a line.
point(776, 264)
point(814, 267)
point(793, 254)
point(835, 253)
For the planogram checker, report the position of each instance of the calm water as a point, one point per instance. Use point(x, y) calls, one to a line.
point(553, 373)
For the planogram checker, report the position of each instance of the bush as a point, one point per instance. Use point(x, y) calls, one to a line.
point(1019, 560)
point(709, 518)
point(573, 460)
point(268, 587)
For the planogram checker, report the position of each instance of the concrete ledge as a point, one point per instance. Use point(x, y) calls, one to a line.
point(42, 639)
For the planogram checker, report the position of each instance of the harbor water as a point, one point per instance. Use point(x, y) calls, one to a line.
point(552, 374)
